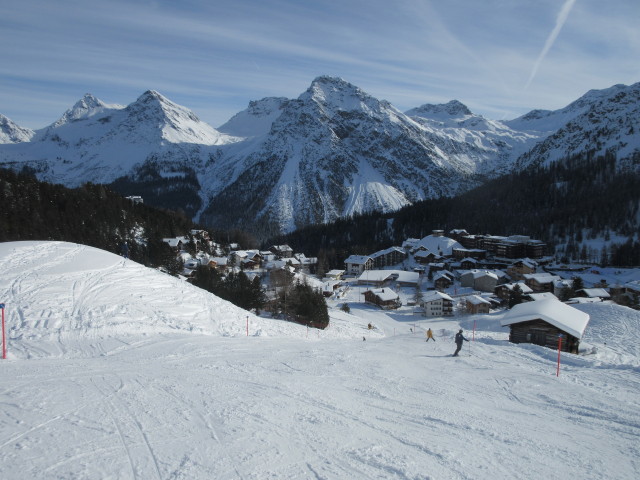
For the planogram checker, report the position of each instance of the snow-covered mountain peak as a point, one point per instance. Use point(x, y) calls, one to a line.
point(11, 132)
point(86, 107)
point(152, 112)
point(256, 119)
point(333, 94)
point(451, 110)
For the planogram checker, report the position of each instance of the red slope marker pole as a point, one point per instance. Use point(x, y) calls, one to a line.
point(559, 350)
point(4, 337)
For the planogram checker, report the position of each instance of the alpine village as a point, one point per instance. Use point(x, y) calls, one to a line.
point(556, 226)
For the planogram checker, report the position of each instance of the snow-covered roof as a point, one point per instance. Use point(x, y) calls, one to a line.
point(443, 245)
point(385, 294)
point(542, 296)
point(387, 251)
point(558, 314)
point(443, 274)
point(433, 296)
point(523, 287)
point(596, 292)
point(541, 277)
point(481, 273)
point(375, 276)
point(476, 300)
point(335, 273)
point(357, 259)
point(173, 242)
point(407, 277)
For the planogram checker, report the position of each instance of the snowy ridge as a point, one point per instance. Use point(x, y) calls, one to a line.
point(256, 119)
point(335, 150)
point(62, 293)
point(600, 122)
point(11, 132)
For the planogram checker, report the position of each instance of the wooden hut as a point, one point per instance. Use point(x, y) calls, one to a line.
point(385, 298)
point(543, 321)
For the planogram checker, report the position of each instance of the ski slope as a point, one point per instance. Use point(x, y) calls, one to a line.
point(116, 371)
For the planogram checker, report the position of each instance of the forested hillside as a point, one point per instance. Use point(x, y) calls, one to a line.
point(90, 215)
point(566, 203)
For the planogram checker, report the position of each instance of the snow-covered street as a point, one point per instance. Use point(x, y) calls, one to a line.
point(116, 371)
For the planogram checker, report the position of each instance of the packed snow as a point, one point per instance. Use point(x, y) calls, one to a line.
point(114, 371)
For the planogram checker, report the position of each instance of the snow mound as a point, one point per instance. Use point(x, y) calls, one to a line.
point(74, 296)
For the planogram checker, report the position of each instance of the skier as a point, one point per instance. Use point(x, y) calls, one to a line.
point(459, 339)
point(429, 334)
point(125, 250)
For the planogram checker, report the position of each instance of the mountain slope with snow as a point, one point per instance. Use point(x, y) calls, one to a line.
point(601, 122)
point(118, 371)
point(11, 132)
point(334, 151)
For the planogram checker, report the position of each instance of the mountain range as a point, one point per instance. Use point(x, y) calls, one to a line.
point(334, 151)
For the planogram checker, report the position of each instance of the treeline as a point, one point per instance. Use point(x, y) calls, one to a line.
point(90, 215)
point(577, 199)
point(294, 301)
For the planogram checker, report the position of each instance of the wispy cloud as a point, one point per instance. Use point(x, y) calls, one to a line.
point(560, 21)
point(203, 54)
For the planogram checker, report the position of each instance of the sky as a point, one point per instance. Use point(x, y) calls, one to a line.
point(502, 58)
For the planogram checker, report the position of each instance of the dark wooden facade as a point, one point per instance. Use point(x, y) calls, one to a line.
point(542, 333)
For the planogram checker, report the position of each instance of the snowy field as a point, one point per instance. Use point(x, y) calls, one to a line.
point(115, 371)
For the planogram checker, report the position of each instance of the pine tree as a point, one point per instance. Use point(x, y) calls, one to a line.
point(515, 296)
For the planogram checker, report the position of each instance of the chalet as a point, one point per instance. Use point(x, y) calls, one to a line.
point(200, 234)
point(247, 258)
point(335, 274)
point(356, 264)
point(378, 278)
point(476, 304)
point(458, 233)
point(541, 282)
point(505, 290)
point(425, 256)
point(385, 298)
point(307, 264)
point(517, 270)
point(442, 280)
point(176, 243)
point(389, 257)
point(561, 287)
point(411, 244)
point(482, 280)
point(461, 252)
point(328, 288)
point(406, 279)
point(595, 293)
point(282, 251)
point(468, 263)
point(542, 322)
point(438, 244)
point(536, 297)
point(437, 304)
point(219, 263)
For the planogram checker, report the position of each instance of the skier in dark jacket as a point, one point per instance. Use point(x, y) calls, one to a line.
point(459, 339)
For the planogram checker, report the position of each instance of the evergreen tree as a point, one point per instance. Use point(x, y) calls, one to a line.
point(577, 283)
point(515, 296)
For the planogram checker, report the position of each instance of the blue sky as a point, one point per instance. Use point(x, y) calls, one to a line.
point(501, 58)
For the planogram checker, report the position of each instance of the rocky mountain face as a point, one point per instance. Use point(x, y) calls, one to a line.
point(334, 151)
point(10, 132)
